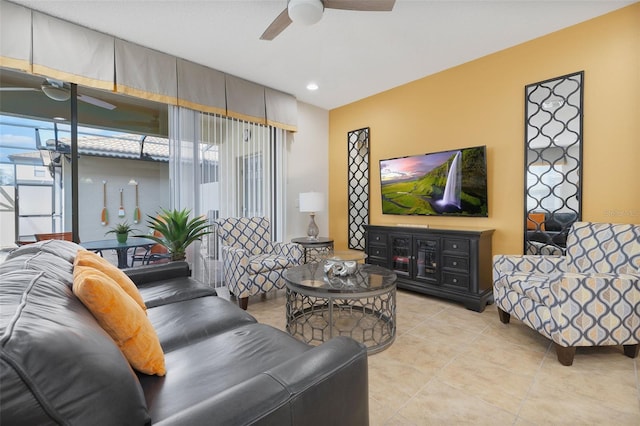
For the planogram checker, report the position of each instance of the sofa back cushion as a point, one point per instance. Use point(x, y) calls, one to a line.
point(250, 233)
point(65, 250)
point(57, 365)
point(603, 248)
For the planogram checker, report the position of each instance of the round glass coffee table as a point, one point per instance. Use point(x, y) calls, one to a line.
point(361, 305)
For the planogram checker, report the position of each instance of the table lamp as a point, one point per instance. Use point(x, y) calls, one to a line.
point(312, 202)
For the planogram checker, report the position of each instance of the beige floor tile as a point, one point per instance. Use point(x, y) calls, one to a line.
point(419, 353)
point(387, 376)
point(441, 404)
point(517, 358)
point(582, 379)
point(518, 333)
point(553, 405)
point(380, 412)
point(399, 420)
point(442, 332)
point(487, 381)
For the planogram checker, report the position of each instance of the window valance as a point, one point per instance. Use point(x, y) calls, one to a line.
point(69, 52)
point(281, 109)
point(245, 100)
point(37, 43)
point(201, 88)
point(15, 37)
point(146, 73)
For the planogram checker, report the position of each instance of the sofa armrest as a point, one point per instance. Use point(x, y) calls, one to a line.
point(292, 251)
point(151, 273)
point(312, 379)
point(595, 309)
point(326, 385)
point(508, 264)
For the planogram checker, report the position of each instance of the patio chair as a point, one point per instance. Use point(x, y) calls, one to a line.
point(67, 236)
point(156, 253)
point(588, 297)
point(251, 262)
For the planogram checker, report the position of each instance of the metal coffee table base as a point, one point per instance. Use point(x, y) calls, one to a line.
point(369, 317)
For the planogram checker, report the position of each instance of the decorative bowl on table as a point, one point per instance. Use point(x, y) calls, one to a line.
point(342, 263)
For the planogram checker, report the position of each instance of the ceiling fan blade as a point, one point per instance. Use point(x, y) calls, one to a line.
point(97, 102)
point(18, 89)
point(277, 26)
point(363, 5)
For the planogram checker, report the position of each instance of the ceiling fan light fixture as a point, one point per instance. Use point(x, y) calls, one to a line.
point(305, 12)
point(56, 93)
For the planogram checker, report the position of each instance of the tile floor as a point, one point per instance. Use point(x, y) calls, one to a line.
point(449, 365)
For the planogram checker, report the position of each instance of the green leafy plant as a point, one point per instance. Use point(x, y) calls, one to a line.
point(122, 231)
point(178, 231)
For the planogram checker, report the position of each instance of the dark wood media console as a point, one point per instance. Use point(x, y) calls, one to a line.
point(453, 264)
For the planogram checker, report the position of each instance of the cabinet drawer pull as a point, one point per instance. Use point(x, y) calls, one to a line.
point(455, 263)
point(455, 246)
point(455, 280)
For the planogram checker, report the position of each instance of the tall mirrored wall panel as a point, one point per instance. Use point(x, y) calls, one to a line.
point(358, 181)
point(553, 158)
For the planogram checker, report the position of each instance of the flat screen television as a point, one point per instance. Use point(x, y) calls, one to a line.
point(438, 183)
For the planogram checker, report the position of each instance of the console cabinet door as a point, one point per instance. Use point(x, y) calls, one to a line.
point(426, 253)
point(401, 253)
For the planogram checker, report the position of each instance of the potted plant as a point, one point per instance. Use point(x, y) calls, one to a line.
point(178, 232)
point(122, 231)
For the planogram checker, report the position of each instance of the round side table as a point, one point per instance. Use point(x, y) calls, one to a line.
point(314, 249)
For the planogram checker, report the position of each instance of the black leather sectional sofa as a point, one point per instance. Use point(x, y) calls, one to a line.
point(554, 230)
point(58, 366)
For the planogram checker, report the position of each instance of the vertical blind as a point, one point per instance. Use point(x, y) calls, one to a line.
point(225, 167)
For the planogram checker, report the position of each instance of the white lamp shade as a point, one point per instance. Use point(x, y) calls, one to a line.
point(306, 12)
point(311, 201)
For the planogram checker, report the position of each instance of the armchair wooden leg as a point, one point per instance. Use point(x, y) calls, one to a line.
point(565, 354)
point(504, 316)
point(243, 302)
point(631, 350)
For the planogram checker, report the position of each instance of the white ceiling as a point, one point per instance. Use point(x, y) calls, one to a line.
point(350, 55)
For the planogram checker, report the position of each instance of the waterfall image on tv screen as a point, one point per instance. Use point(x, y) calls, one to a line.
point(439, 183)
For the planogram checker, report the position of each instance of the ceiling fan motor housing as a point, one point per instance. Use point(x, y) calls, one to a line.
point(306, 12)
point(57, 93)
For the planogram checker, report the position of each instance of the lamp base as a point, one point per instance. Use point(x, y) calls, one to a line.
point(312, 229)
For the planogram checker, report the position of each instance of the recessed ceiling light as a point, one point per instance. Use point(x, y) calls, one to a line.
point(312, 86)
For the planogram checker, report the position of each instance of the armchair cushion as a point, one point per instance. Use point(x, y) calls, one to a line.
point(268, 262)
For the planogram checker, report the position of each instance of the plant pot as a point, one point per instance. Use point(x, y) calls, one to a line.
point(122, 238)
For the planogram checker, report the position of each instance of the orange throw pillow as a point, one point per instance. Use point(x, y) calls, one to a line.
point(121, 317)
point(535, 221)
point(89, 258)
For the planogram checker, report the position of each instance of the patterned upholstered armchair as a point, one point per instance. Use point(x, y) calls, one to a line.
point(251, 262)
point(589, 297)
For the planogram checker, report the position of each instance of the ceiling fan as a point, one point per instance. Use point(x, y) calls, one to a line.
point(308, 12)
point(60, 91)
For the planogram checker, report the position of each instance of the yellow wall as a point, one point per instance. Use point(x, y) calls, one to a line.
point(482, 103)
